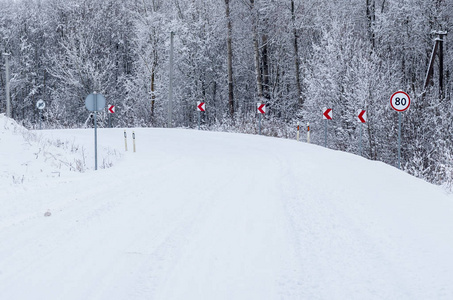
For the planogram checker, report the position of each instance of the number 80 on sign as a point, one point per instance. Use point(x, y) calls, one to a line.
point(400, 101)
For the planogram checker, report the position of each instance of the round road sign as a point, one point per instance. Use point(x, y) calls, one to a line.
point(40, 104)
point(400, 101)
point(95, 102)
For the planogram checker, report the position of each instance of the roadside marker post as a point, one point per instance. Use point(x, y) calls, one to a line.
point(125, 140)
point(308, 132)
point(133, 139)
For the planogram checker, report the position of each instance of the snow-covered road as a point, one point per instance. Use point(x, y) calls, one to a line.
point(201, 215)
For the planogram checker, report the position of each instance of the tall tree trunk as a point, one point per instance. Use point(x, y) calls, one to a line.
point(229, 59)
point(153, 96)
point(153, 72)
point(259, 84)
point(371, 16)
point(265, 59)
point(296, 56)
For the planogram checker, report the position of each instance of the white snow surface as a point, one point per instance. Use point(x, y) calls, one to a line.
point(203, 215)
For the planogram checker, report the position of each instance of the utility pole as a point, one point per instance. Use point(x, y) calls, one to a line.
point(170, 88)
point(8, 98)
point(441, 62)
point(437, 48)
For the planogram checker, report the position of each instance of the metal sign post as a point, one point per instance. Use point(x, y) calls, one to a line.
point(95, 102)
point(111, 111)
point(298, 131)
point(327, 115)
point(201, 106)
point(261, 109)
point(399, 140)
point(40, 105)
point(360, 142)
point(260, 126)
point(95, 131)
point(95, 140)
point(361, 117)
point(400, 101)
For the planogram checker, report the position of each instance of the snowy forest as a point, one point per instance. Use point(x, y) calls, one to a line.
point(297, 56)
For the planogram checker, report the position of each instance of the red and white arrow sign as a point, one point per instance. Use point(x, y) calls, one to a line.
point(361, 115)
point(112, 109)
point(201, 106)
point(327, 113)
point(261, 107)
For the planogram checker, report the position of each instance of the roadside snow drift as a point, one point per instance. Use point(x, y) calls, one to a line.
point(203, 215)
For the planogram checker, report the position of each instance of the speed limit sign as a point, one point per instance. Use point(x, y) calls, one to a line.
point(400, 101)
